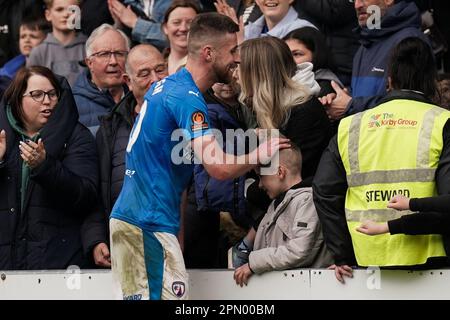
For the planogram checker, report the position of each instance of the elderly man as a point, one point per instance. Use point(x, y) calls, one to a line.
point(399, 20)
point(144, 66)
point(98, 89)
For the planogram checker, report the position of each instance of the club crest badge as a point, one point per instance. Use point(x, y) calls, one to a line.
point(178, 288)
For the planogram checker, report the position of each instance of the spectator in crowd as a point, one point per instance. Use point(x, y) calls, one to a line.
point(12, 14)
point(176, 22)
point(48, 174)
point(399, 20)
point(147, 210)
point(32, 33)
point(143, 17)
point(99, 88)
point(209, 196)
point(336, 20)
point(289, 235)
point(144, 66)
point(63, 48)
point(444, 91)
point(277, 20)
point(282, 97)
point(276, 91)
point(364, 166)
point(308, 45)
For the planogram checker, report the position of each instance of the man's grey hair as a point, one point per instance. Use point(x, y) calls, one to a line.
point(98, 32)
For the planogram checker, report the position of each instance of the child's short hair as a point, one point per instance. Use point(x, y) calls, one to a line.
point(36, 23)
point(291, 158)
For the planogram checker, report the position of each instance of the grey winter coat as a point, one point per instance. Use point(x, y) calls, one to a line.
point(290, 236)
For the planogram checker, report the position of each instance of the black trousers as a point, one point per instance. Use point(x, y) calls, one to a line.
point(201, 236)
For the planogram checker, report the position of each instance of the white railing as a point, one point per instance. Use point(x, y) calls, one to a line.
point(302, 284)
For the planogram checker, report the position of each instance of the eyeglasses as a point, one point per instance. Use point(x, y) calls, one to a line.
point(39, 95)
point(106, 55)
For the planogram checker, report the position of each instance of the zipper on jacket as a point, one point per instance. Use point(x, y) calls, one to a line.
point(205, 191)
point(235, 196)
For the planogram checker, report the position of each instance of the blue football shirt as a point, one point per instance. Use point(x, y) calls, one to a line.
point(153, 184)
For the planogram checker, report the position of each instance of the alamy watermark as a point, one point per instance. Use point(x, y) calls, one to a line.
point(374, 19)
point(73, 281)
point(373, 281)
point(74, 21)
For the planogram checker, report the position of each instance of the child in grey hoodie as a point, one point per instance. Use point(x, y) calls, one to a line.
point(63, 48)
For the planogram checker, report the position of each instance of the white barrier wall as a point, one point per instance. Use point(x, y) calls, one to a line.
point(302, 284)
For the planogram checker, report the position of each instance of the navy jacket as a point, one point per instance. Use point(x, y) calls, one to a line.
point(222, 195)
point(369, 77)
point(91, 102)
point(45, 233)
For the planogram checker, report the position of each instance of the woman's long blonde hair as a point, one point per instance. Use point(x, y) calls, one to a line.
point(266, 69)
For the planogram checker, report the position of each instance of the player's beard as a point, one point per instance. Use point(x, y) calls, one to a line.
point(224, 74)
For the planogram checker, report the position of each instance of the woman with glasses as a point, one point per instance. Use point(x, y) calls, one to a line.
point(48, 174)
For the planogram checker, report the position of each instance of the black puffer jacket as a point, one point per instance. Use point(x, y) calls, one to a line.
point(45, 233)
point(112, 139)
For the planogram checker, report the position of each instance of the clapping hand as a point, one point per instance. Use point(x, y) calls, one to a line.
point(33, 154)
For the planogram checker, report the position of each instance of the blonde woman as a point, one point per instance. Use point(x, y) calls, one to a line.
point(281, 97)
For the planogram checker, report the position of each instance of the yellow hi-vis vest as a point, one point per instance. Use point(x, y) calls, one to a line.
point(389, 150)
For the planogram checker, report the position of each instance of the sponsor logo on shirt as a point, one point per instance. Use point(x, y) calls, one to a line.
point(198, 121)
point(130, 173)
